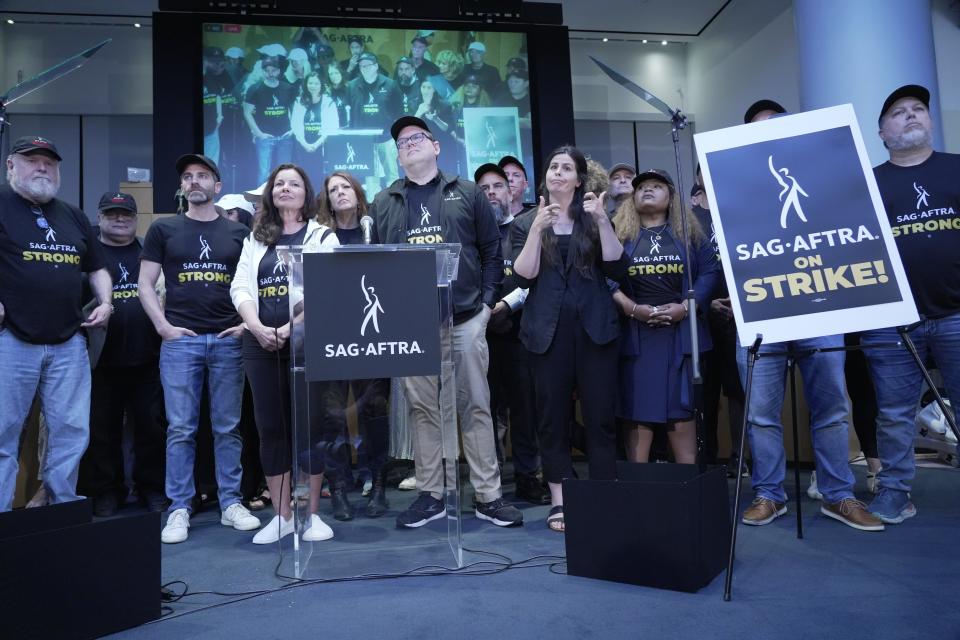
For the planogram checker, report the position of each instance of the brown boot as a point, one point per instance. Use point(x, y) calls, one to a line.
point(763, 511)
point(852, 513)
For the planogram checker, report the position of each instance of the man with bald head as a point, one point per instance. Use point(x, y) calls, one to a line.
point(920, 188)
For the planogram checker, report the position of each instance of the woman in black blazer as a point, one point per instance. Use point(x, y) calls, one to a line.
point(565, 251)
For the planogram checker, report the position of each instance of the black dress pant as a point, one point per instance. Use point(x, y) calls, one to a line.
point(135, 393)
point(510, 377)
point(863, 396)
point(720, 374)
point(574, 362)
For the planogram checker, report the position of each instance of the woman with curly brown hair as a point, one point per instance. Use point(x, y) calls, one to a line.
point(260, 293)
point(655, 375)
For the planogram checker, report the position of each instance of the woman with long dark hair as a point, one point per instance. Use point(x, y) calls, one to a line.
point(337, 88)
point(656, 384)
point(260, 293)
point(342, 204)
point(313, 117)
point(565, 252)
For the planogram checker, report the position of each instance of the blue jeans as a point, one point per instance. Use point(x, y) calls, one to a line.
point(826, 395)
point(271, 152)
point(184, 365)
point(61, 375)
point(898, 381)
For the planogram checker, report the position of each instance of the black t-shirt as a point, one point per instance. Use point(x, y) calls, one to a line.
point(198, 260)
point(656, 269)
point(341, 98)
point(425, 70)
point(489, 77)
point(271, 106)
point(41, 269)
point(350, 236)
point(410, 97)
point(424, 225)
point(374, 106)
point(923, 206)
point(272, 282)
point(522, 105)
point(312, 121)
point(131, 338)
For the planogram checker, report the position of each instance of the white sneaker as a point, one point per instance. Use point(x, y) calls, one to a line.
point(178, 524)
point(277, 528)
point(812, 490)
point(408, 484)
point(318, 530)
point(239, 518)
point(367, 487)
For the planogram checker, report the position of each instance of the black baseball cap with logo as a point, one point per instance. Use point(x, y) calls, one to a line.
point(366, 56)
point(487, 168)
point(621, 166)
point(762, 105)
point(652, 174)
point(117, 200)
point(407, 121)
point(906, 91)
point(505, 160)
point(197, 158)
point(29, 144)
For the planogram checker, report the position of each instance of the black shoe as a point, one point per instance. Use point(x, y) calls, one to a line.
point(341, 505)
point(530, 489)
point(154, 501)
point(377, 506)
point(423, 510)
point(106, 505)
point(500, 513)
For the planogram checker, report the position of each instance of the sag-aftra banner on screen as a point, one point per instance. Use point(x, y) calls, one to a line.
point(806, 247)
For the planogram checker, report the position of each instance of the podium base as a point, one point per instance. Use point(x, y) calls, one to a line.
point(66, 576)
point(660, 525)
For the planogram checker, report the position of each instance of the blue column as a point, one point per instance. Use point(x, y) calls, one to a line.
point(859, 51)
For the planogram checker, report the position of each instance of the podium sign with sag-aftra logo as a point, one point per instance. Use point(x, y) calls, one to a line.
point(806, 246)
point(370, 314)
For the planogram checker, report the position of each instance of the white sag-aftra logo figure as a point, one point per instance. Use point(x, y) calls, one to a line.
point(425, 218)
point(491, 135)
point(124, 274)
point(351, 154)
point(204, 249)
point(371, 309)
point(922, 195)
point(792, 191)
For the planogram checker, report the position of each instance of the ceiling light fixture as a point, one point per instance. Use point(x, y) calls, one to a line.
point(136, 25)
point(9, 21)
point(644, 41)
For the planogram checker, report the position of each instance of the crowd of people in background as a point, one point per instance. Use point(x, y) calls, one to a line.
point(578, 301)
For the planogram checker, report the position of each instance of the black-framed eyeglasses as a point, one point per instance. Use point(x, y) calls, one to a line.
point(415, 139)
point(41, 219)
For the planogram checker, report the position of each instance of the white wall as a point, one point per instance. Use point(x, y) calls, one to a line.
point(117, 80)
point(946, 40)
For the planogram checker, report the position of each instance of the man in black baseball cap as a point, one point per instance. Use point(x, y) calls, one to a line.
point(621, 177)
point(517, 181)
point(375, 102)
point(197, 158)
point(28, 145)
point(761, 110)
point(921, 194)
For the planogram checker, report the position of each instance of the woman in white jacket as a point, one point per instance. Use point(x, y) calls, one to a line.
point(260, 293)
point(312, 118)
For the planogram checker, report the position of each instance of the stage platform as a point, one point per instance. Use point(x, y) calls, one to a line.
point(835, 583)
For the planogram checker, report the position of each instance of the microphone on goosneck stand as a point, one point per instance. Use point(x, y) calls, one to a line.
point(366, 223)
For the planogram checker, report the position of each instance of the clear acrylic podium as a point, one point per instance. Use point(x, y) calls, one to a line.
point(326, 414)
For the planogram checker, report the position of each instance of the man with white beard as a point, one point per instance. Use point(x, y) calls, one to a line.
point(920, 188)
point(198, 254)
point(45, 247)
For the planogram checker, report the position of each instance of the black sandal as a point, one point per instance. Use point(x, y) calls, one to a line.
point(555, 519)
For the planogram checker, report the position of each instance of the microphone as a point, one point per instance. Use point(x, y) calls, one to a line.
point(366, 223)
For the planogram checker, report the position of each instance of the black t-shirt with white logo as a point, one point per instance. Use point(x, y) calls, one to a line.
point(198, 260)
point(131, 338)
point(706, 224)
point(41, 268)
point(271, 106)
point(656, 269)
point(923, 206)
point(272, 282)
point(424, 225)
point(375, 106)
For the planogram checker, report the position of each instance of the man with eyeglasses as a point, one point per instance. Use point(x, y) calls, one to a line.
point(375, 100)
point(126, 377)
point(430, 207)
point(46, 245)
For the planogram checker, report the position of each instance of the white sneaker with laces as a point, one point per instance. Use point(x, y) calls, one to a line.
point(277, 528)
point(812, 490)
point(408, 484)
point(237, 516)
point(319, 530)
point(178, 525)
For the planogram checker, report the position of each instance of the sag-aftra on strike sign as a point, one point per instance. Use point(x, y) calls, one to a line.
point(806, 246)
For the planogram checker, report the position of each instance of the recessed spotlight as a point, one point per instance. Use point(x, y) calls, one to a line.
point(9, 21)
point(136, 24)
point(663, 42)
point(644, 41)
point(606, 39)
